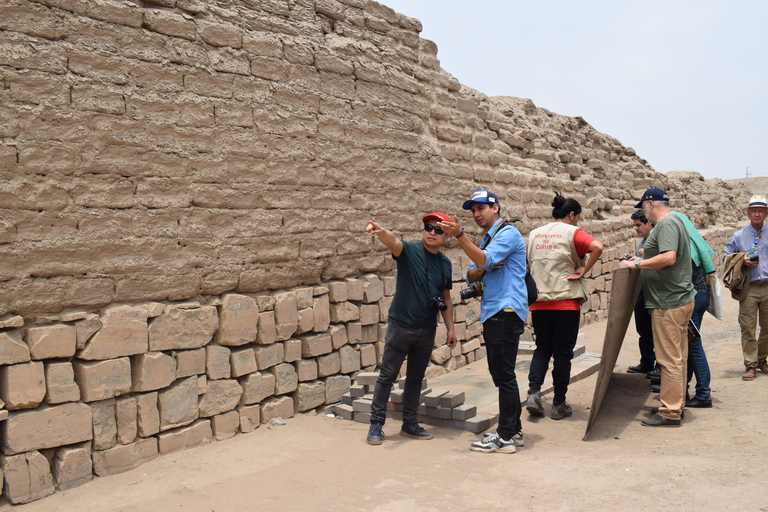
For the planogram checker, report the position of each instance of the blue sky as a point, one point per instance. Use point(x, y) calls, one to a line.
point(685, 83)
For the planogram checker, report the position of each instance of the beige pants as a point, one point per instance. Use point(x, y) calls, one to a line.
point(753, 305)
point(670, 341)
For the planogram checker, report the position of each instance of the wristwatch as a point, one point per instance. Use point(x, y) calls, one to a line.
point(637, 264)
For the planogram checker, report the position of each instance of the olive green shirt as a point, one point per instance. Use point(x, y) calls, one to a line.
point(669, 287)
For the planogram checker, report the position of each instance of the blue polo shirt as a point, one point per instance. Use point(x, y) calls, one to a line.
point(505, 286)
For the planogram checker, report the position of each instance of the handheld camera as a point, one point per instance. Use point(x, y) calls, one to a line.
point(474, 290)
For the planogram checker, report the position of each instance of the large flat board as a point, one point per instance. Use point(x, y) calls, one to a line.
point(625, 288)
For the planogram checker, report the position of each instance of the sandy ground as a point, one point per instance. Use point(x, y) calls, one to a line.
point(713, 462)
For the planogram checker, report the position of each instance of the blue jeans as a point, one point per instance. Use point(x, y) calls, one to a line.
point(645, 331)
point(403, 340)
point(697, 359)
point(502, 333)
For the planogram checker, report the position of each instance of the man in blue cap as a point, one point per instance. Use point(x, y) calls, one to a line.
point(668, 291)
point(499, 267)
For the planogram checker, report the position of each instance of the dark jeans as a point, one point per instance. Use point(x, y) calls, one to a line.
point(502, 333)
point(556, 333)
point(403, 340)
point(645, 331)
point(697, 359)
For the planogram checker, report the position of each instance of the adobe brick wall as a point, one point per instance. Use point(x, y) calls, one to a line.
point(183, 191)
point(169, 149)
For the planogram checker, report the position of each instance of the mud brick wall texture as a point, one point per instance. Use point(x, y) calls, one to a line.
point(168, 149)
point(184, 187)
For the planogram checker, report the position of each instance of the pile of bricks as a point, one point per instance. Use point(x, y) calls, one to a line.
point(440, 407)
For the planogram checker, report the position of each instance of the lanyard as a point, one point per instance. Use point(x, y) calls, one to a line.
point(426, 267)
point(504, 223)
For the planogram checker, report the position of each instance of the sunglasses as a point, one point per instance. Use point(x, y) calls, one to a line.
point(437, 229)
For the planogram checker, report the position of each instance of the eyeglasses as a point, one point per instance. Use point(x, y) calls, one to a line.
point(437, 229)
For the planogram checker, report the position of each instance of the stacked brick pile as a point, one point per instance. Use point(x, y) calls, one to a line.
point(441, 408)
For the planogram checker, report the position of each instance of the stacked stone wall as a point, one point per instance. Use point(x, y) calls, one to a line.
point(184, 187)
point(86, 392)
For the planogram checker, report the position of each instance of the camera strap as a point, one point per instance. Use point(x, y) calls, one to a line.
point(426, 268)
point(503, 224)
point(529, 282)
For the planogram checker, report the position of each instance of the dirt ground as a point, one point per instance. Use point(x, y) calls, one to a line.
point(712, 462)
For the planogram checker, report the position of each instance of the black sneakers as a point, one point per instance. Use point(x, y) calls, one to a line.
point(698, 403)
point(517, 438)
point(494, 443)
point(415, 431)
point(653, 373)
point(375, 434)
point(534, 404)
point(560, 411)
point(658, 420)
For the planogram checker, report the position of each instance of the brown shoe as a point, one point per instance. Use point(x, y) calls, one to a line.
point(749, 374)
point(763, 367)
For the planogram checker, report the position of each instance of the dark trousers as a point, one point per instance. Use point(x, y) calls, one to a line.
point(556, 333)
point(502, 333)
point(403, 341)
point(645, 331)
point(697, 359)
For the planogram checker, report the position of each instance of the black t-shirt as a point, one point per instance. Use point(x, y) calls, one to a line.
point(411, 302)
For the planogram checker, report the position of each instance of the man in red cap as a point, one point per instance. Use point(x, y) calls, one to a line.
point(423, 288)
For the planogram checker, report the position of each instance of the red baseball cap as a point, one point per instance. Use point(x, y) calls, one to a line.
point(438, 216)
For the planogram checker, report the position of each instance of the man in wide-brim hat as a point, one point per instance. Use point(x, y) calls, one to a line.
point(753, 242)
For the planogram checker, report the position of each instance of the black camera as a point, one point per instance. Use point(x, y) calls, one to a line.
point(438, 303)
point(474, 290)
point(754, 257)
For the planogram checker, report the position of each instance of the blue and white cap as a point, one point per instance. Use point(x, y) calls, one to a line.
point(481, 196)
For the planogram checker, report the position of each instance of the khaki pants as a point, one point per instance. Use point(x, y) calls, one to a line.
point(753, 305)
point(670, 341)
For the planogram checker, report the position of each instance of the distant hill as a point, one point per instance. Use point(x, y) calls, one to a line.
point(757, 185)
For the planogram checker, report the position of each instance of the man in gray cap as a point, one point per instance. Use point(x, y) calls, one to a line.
point(754, 245)
point(668, 291)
